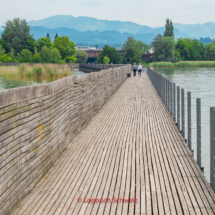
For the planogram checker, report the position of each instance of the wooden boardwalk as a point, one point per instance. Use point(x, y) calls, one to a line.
point(130, 149)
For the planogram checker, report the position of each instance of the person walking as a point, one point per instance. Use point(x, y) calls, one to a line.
point(134, 69)
point(139, 69)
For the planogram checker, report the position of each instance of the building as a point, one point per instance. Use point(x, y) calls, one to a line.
point(147, 57)
point(92, 55)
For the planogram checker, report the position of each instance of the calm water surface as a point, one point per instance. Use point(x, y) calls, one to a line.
point(201, 83)
point(8, 84)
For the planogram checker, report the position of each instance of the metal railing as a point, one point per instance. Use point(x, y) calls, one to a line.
point(166, 90)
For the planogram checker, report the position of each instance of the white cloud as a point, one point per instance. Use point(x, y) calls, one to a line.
point(146, 12)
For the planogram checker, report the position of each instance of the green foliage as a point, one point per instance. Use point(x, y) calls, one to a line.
point(56, 36)
point(62, 62)
point(25, 56)
point(48, 35)
point(55, 55)
point(81, 56)
point(70, 59)
point(209, 52)
point(111, 53)
point(164, 48)
point(36, 58)
point(11, 54)
point(190, 49)
point(17, 36)
point(2, 51)
point(65, 46)
point(29, 74)
point(133, 50)
point(5, 58)
point(177, 56)
point(44, 41)
point(46, 55)
point(106, 60)
point(169, 32)
point(37, 71)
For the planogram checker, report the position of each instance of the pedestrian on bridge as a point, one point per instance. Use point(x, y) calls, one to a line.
point(139, 69)
point(134, 69)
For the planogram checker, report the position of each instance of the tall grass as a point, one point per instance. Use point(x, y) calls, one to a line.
point(27, 71)
point(182, 64)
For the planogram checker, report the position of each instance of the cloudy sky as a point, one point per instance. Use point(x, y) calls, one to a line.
point(145, 12)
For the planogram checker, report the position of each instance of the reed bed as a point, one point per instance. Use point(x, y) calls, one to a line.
point(27, 71)
point(182, 64)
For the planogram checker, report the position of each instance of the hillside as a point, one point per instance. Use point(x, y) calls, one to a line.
point(91, 24)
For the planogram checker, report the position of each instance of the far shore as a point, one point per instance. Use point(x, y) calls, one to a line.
point(181, 64)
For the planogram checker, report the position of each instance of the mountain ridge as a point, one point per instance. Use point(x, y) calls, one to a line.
point(84, 23)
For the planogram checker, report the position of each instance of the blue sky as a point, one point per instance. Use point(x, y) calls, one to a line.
point(152, 13)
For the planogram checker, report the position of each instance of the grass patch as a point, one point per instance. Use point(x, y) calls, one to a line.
point(38, 71)
point(181, 64)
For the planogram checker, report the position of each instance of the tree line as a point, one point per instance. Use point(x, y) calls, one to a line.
point(18, 45)
point(184, 49)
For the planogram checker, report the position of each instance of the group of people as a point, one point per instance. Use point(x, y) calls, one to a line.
point(139, 67)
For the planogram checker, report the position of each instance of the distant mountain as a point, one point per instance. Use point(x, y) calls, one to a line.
point(197, 30)
point(83, 23)
point(113, 38)
point(109, 37)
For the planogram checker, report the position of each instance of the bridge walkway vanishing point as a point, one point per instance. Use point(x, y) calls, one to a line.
point(130, 149)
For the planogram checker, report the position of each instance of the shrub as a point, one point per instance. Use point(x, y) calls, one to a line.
point(106, 60)
point(29, 74)
point(46, 55)
point(26, 55)
point(62, 62)
point(81, 56)
point(37, 71)
point(55, 55)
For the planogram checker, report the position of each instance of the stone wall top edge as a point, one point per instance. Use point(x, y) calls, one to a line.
point(10, 96)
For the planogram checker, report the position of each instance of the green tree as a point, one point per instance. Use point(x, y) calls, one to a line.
point(11, 54)
point(106, 60)
point(44, 41)
point(184, 48)
point(209, 52)
point(56, 36)
point(169, 32)
point(2, 51)
point(65, 46)
point(133, 50)
point(17, 36)
point(55, 56)
point(5, 58)
point(81, 56)
point(36, 57)
point(25, 56)
point(46, 55)
point(164, 48)
point(48, 35)
point(96, 46)
point(111, 53)
point(70, 59)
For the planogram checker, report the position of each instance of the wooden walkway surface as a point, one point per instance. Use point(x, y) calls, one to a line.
point(130, 149)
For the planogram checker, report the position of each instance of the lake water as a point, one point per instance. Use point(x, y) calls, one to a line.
point(201, 83)
point(8, 84)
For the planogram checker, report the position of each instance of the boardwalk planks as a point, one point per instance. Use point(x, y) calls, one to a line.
point(131, 149)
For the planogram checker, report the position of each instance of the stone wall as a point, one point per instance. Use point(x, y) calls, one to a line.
point(37, 123)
